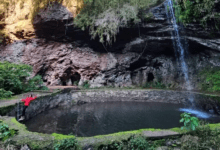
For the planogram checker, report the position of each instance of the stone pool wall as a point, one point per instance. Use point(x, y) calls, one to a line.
point(71, 97)
point(200, 100)
point(44, 103)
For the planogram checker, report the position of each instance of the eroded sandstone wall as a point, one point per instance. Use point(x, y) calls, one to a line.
point(63, 54)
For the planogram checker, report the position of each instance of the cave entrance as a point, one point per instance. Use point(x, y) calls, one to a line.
point(70, 78)
point(150, 77)
point(75, 78)
point(64, 83)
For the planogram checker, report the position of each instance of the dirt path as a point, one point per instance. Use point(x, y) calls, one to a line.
point(17, 98)
point(62, 87)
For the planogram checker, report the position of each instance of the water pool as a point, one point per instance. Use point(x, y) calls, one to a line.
point(107, 117)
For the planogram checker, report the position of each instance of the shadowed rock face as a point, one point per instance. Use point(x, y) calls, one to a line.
point(63, 54)
point(52, 22)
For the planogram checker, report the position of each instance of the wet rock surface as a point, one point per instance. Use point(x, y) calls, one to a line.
point(64, 54)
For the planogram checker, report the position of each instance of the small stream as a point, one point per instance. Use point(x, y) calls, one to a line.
point(107, 117)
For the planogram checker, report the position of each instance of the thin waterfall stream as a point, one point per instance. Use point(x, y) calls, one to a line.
point(176, 39)
point(181, 57)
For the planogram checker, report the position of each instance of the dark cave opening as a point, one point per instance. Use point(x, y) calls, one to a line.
point(64, 83)
point(75, 78)
point(70, 79)
point(150, 77)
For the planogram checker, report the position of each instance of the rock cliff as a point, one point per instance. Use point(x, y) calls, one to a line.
point(63, 54)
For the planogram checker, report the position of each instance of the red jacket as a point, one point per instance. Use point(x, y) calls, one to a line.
point(28, 100)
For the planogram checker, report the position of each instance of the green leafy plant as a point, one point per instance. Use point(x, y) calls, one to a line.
point(86, 84)
point(210, 79)
point(190, 123)
point(158, 85)
point(5, 94)
point(66, 144)
point(202, 138)
point(76, 83)
point(187, 11)
point(13, 75)
point(37, 80)
point(115, 145)
point(138, 143)
point(14, 79)
point(5, 132)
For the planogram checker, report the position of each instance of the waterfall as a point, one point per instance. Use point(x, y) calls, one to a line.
point(179, 53)
point(176, 41)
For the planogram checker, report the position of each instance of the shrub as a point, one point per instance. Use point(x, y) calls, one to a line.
point(190, 123)
point(13, 78)
point(5, 94)
point(76, 83)
point(210, 79)
point(133, 143)
point(86, 84)
point(138, 143)
point(66, 144)
point(207, 138)
point(5, 132)
point(37, 80)
point(188, 11)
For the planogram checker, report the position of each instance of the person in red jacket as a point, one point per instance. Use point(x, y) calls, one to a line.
point(27, 102)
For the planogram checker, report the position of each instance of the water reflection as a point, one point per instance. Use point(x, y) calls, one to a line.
point(104, 118)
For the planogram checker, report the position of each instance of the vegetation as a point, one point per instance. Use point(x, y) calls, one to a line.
point(86, 84)
point(187, 11)
point(202, 138)
point(190, 123)
point(104, 17)
point(210, 79)
point(133, 143)
point(66, 144)
point(76, 83)
point(4, 93)
point(156, 84)
point(14, 79)
point(5, 132)
point(138, 143)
